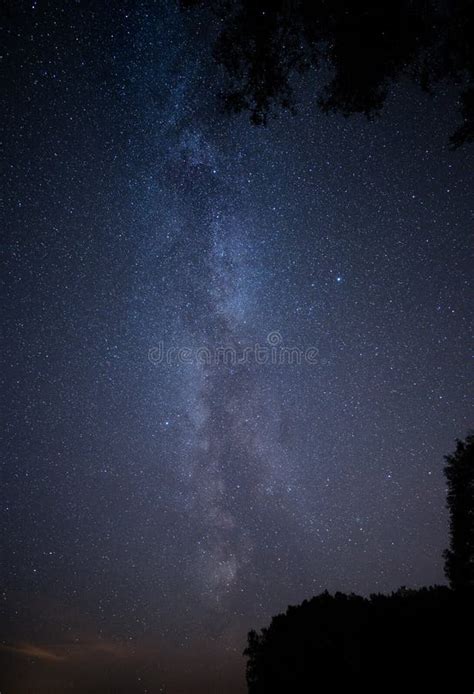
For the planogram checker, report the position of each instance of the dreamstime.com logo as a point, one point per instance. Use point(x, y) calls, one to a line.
point(273, 352)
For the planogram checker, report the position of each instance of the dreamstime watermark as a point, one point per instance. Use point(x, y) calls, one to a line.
point(272, 352)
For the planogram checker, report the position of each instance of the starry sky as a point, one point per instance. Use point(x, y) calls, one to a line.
point(233, 356)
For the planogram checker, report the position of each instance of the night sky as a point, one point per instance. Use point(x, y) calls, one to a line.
point(156, 504)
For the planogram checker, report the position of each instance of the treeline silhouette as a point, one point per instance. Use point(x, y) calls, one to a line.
point(363, 48)
point(409, 641)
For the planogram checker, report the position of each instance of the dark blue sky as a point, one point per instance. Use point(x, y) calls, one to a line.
point(155, 509)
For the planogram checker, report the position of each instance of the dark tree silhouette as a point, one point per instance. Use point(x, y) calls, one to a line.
point(365, 45)
point(411, 640)
point(459, 471)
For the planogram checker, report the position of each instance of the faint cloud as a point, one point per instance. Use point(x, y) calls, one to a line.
point(31, 651)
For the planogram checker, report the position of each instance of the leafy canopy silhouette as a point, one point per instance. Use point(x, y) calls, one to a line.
point(411, 640)
point(459, 472)
point(366, 45)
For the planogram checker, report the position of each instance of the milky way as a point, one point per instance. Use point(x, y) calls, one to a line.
point(170, 480)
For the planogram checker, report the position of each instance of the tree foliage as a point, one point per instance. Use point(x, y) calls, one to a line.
point(410, 641)
point(459, 471)
point(364, 45)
